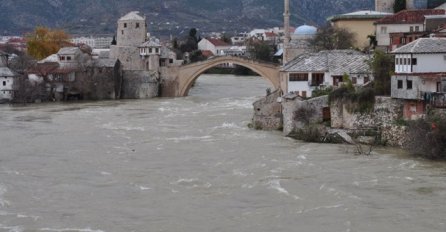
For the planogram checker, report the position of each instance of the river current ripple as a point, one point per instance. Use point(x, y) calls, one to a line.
point(191, 164)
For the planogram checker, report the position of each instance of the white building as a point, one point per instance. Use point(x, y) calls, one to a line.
point(7, 77)
point(420, 75)
point(310, 71)
point(216, 46)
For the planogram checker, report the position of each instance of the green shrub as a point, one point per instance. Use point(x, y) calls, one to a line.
point(427, 138)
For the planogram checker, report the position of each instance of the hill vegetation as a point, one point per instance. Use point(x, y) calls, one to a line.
point(166, 17)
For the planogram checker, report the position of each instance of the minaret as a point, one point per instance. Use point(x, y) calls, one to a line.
point(287, 39)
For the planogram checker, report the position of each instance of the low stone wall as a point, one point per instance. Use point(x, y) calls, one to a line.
point(267, 113)
point(313, 107)
point(385, 112)
point(393, 135)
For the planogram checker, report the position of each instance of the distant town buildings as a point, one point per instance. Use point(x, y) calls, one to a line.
point(406, 21)
point(95, 42)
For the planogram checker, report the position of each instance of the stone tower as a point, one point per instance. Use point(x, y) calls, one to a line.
point(131, 34)
point(132, 30)
point(384, 5)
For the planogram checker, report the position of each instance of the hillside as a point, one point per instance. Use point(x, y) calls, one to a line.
point(166, 16)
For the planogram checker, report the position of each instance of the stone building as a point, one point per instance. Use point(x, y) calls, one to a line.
point(141, 57)
point(387, 5)
point(7, 77)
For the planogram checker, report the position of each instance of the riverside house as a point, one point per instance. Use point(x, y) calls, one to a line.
point(420, 76)
point(310, 71)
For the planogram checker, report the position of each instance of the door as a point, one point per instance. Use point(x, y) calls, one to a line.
point(336, 80)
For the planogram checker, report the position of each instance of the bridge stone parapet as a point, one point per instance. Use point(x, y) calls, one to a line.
point(187, 74)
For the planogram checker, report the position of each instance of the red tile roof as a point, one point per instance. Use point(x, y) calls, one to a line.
point(270, 34)
point(409, 16)
point(217, 42)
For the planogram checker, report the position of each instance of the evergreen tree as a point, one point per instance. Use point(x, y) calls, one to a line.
point(399, 5)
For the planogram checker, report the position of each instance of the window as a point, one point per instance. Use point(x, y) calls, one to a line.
point(354, 80)
point(396, 61)
point(125, 25)
point(68, 57)
point(299, 77)
point(414, 61)
point(366, 79)
point(317, 79)
point(404, 61)
point(122, 32)
point(137, 25)
point(383, 30)
point(411, 28)
point(409, 84)
point(403, 40)
point(157, 50)
point(4, 83)
point(171, 61)
point(417, 28)
point(304, 93)
point(62, 58)
point(150, 50)
point(400, 84)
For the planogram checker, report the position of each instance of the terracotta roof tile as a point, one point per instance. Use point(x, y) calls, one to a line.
point(217, 42)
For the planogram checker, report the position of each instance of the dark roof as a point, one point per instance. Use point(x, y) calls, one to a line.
point(336, 62)
point(423, 45)
point(409, 16)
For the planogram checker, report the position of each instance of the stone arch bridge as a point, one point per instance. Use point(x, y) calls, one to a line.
point(187, 74)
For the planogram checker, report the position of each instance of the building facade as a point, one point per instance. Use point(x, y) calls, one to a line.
point(360, 23)
point(402, 22)
point(311, 71)
point(420, 76)
point(7, 77)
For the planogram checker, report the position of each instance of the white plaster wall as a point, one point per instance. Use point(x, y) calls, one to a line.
point(403, 68)
point(6, 90)
point(430, 63)
point(204, 44)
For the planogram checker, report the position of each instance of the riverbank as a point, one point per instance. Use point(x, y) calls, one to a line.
point(322, 120)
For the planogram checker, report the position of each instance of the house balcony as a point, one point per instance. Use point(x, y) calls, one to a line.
point(435, 99)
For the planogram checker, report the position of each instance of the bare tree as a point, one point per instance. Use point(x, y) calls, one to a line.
point(332, 38)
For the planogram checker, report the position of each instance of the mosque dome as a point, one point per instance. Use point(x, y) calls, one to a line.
point(305, 30)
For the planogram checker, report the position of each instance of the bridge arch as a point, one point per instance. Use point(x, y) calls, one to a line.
point(189, 73)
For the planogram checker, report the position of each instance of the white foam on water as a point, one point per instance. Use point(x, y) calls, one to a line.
point(106, 173)
point(3, 203)
point(275, 184)
point(144, 188)
point(191, 138)
point(228, 125)
point(236, 172)
point(12, 228)
point(111, 126)
point(71, 230)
